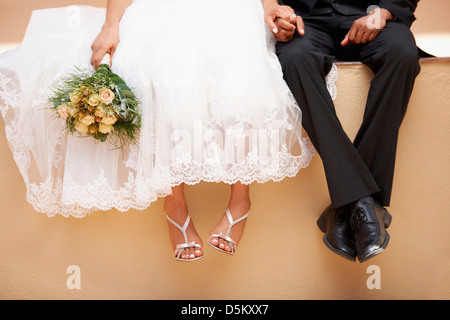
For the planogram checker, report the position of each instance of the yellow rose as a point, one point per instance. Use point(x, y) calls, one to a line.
point(93, 100)
point(109, 120)
point(62, 111)
point(75, 98)
point(71, 110)
point(105, 128)
point(81, 127)
point(88, 119)
point(106, 96)
point(99, 111)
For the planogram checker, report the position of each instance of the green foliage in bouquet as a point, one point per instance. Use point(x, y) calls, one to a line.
point(98, 104)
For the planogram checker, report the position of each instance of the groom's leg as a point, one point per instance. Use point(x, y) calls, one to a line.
point(305, 61)
point(394, 59)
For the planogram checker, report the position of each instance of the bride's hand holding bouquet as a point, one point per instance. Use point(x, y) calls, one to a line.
point(106, 42)
point(98, 103)
point(108, 38)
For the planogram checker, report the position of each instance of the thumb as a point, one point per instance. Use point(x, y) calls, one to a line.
point(300, 25)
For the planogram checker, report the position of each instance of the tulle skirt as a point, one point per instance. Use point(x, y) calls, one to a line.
point(214, 105)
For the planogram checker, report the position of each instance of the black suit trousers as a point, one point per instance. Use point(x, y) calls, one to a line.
point(366, 165)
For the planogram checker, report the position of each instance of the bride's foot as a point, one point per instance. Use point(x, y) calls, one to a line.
point(237, 212)
point(176, 210)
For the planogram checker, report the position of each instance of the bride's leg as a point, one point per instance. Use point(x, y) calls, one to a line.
point(176, 208)
point(239, 205)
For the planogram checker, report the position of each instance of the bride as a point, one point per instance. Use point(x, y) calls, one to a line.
point(214, 106)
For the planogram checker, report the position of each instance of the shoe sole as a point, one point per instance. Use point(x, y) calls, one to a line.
point(189, 260)
point(221, 250)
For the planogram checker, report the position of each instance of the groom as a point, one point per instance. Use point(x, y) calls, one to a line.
point(311, 34)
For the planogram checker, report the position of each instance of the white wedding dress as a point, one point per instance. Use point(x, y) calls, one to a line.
point(215, 106)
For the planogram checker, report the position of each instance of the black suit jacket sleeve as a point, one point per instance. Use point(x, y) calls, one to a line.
point(403, 10)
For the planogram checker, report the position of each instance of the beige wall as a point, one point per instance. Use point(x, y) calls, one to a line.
point(282, 256)
point(432, 17)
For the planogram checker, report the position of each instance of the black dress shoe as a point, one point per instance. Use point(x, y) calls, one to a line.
point(335, 223)
point(369, 221)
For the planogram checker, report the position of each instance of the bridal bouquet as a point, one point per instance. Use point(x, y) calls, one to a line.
point(98, 104)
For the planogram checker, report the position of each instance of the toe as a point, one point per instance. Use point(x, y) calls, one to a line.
point(191, 253)
point(214, 241)
point(198, 252)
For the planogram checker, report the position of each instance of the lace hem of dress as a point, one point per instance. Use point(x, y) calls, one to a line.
point(69, 199)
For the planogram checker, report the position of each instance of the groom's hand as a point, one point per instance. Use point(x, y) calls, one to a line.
point(367, 28)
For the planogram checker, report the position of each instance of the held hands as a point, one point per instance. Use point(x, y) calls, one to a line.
point(283, 21)
point(106, 42)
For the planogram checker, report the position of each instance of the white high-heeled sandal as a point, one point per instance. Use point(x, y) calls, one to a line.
point(186, 245)
point(226, 236)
